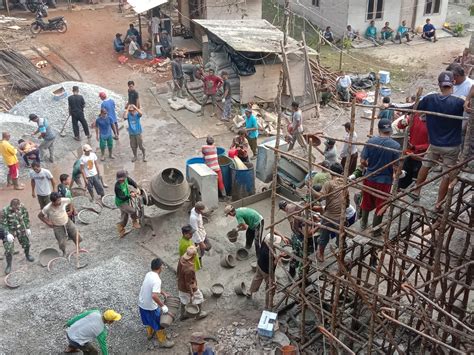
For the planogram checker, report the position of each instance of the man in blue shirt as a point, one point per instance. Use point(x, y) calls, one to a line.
point(109, 106)
point(374, 158)
point(119, 46)
point(133, 116)
point(429, 31)
point(47, 134)
point(402, 31)
point(445, 134)
point(103, 133)
point(371, 33)
point(251, 126)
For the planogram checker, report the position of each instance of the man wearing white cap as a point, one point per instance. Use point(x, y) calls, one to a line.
point(90, 171)
point(187, 283)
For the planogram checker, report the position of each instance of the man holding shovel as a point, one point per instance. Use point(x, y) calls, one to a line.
point(55, 216)
point(123, 197)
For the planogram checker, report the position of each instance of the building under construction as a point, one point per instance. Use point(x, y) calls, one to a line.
point(402, 288)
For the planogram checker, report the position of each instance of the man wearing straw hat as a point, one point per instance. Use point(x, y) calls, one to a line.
point(198, 345)
point(189, 292)
point(151, 306)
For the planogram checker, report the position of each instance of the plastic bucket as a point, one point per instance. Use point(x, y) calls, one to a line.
point(240, 289)
point(220, 151)
point(243, 182)
point(384, 91)
point(225, 163)
point(195, 160)
point(232, 236)
point(288, 350)
point(384, 77)
point(228, 261)
point(166, 320)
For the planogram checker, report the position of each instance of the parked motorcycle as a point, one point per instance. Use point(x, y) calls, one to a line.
point(54, 24)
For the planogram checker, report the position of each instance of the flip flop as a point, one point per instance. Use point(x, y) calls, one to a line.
point(415, 197)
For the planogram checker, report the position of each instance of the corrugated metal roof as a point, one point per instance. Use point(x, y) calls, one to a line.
point(140, 6)
point(247, 35)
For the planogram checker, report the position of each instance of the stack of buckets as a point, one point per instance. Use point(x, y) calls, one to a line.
point(173, 304)
point(384, 80)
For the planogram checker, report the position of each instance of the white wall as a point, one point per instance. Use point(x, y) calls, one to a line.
point(330, 13)
point(436, 19)
point(358, 13)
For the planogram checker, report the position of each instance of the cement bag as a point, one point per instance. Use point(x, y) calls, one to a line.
point(192, 106)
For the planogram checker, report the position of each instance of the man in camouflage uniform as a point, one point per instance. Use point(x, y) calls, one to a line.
point(15, 221)
point(297, 236)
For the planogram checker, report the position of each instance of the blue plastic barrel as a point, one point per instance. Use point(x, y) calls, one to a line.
point(243, 182)
point(384, 91)
point(195, 160)
point(225, 163)
point(220, 151)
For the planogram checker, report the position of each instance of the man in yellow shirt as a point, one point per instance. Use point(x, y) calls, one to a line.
point(10, 159)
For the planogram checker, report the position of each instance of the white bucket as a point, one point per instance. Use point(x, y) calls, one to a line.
point(384, 77)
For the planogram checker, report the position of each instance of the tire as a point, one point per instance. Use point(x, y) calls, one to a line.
point(61, 27)
point(35, 28)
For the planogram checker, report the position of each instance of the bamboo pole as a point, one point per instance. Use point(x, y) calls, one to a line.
point(407, 110)
point(376, 100)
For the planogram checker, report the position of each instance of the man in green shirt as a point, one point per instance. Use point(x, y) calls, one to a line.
point(16, 224)
point(88, 326)
point(123, 198)
point(250, 221)
point(371, 33)
point(185, 242)
point(76, 176)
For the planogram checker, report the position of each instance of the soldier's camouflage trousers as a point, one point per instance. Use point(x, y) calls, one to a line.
point(297, 246)
point(10, 246)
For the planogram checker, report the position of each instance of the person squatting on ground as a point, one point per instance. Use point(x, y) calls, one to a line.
point(10, 159)
point(123, 199)
point(133, 116)
point(15, 224)
point(87, 327)
point(209, 152)
point(445, 134)
point(227, 97)
point(250, 221)
point(42, 183)
point(374, 158)
point(109, 106)
point(295, 128)
point(251, 126)
point(47, 134)
point(90, 172)
point(29, 151)
point(241, 143)
point(334, 195)
point(55, 216)
point(199, 233)
point(211, 84)
point(76, 105)
point(186, 241)
point(103, 133)
point(188, 290)
point(297, 235)
point(263, 266)
point(151, 306)
point(179, 81)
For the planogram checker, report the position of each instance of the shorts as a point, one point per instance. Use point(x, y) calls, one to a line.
point(447, 155)
point(106, 142)
point(43, 200)
point(14, 170)
point(151, 318)
point(369, 201)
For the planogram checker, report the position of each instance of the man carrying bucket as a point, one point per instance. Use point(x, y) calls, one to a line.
point(151, 306)
point(250, 221)
point(189, 292)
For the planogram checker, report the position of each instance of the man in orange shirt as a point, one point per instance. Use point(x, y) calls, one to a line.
point(10, 159)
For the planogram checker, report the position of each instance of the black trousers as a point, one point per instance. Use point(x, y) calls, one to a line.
point(254, 234)
point(76, 118)
point(411, 166)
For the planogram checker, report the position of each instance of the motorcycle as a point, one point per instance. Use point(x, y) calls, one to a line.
point(54, 24)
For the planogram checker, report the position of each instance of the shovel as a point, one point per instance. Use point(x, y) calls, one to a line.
point(78, 265)
point(61, 133)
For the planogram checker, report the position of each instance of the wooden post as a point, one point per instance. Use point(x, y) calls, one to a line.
point(153, 49)
point(313, 92)
point(140, 27)
point(286, 71)
point(286, 20)
point(374, 110)
point(340, 60)
point(7, 6)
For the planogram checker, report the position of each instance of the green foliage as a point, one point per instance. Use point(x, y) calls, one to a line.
point(458, 29)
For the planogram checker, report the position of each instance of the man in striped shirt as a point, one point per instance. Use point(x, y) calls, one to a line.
point(209, 152)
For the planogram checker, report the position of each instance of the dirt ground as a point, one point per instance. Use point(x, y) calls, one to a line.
point(37, 311)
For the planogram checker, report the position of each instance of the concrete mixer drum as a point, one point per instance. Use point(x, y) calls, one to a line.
point(169, 189)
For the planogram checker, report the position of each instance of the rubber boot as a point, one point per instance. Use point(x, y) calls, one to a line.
point(292, 271)
point(375, 222)
point(110, 154)
point(28, 256)
point(136, 224)
point(149, 333)
point(163, 342)
point(202, 314)
point(182, 313)
point(9, 259)
point(17, 185)
point(120, 230)
point(364, 219)
point(9, 180)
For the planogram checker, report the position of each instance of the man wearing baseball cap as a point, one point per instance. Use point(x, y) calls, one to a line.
point(90, 171)
point(88, 326)
point(445, 134)
point(198, 345)
point(374, 158)
point(109, 106)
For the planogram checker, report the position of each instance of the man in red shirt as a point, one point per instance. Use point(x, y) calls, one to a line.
point(209, 152)
point(418, 143)
point(212, 83)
